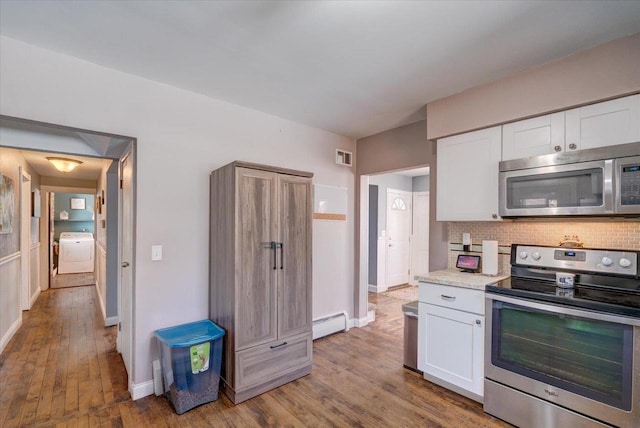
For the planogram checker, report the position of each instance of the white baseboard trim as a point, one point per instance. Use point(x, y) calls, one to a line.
point(141, 390)
point(109, 321)
point(378, 288)
point(34, 297)
point(10, 333)
point(101, 303)
point(358, 322)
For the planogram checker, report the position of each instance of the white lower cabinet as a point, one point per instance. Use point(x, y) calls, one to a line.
point(451, 339)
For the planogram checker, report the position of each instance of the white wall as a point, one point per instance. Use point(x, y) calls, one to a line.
point(182, 136)
point(10, 261)
point(10, 264)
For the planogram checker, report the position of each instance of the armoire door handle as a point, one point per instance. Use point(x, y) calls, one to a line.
point(281, 255)
point(274, 245)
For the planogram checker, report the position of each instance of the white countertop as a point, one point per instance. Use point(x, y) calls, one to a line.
point(456, 278)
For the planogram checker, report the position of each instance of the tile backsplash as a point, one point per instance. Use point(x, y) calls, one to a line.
point(594, 234)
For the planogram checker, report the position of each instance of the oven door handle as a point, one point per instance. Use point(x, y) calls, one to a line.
point(563, 310)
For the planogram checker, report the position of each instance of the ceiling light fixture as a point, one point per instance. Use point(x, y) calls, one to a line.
point(64, 164)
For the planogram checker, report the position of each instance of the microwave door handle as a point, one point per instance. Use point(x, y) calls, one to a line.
point(608, 186)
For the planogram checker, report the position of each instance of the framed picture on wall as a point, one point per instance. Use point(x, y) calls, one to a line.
point(7, 202)
point(77, 203)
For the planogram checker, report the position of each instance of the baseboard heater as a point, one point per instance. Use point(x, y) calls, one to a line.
point(329, 325)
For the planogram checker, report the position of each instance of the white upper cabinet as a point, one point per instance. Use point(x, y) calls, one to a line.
point(533, 137)
point(596, 125)
point(467, 176)
point(603, 124)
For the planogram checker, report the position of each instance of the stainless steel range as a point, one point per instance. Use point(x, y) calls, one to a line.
point(562, 344)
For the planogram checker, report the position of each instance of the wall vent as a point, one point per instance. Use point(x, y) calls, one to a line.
point(344, 157)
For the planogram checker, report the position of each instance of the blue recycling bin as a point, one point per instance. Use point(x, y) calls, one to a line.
point(190, 357)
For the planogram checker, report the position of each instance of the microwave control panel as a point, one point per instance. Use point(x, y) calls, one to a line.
point(630, 184)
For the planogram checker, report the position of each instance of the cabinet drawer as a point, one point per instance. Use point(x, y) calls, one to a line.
point(464, 299)
point(265, 362)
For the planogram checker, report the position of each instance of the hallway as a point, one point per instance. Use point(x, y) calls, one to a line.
point(62, 362)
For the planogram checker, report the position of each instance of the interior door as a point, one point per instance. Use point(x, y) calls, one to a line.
point(125, 295)
point(294, 266)
point(420, 236)
point(52, 229)
point(257, 265)
point(398, 236)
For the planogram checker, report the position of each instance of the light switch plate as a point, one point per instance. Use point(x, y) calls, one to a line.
point(156, 253)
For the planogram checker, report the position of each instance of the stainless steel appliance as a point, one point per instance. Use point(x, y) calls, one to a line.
point(410, 311)
point(562, 343)
point(602, 181)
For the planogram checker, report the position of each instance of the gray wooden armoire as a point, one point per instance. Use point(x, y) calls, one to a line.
point(260, 275)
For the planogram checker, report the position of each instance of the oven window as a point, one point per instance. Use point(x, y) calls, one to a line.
point(556, 190)
point(587, 357)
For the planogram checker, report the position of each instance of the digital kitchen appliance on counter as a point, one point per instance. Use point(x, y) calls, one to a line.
point(603, 181)
point(562, 343)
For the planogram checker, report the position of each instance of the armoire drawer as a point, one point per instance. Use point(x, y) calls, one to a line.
point(265, 362)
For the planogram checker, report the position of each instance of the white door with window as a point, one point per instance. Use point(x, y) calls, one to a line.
point(420, 236)
point(398, 252)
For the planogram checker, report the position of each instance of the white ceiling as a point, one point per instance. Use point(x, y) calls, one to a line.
point(352, 67)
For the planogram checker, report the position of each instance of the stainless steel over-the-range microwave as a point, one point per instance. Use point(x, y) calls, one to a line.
point(602, 181)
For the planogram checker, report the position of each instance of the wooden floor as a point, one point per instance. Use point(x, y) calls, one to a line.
point(62, 369)
point(73, 280)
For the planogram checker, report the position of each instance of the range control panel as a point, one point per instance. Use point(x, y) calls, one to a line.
point(587, 260)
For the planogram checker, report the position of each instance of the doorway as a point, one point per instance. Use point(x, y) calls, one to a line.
point(397, 207)
point(34, 140)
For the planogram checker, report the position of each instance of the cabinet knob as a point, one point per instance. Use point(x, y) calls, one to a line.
point(573, 146)
point(557, 148)
point(478, 322)
point(494, 215)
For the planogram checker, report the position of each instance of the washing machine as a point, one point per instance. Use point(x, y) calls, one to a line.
point(76, 254)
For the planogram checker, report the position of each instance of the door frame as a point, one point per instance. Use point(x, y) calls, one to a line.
point(25, 239)
point(413, 271)
point(115, 151)
point(361, 292)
